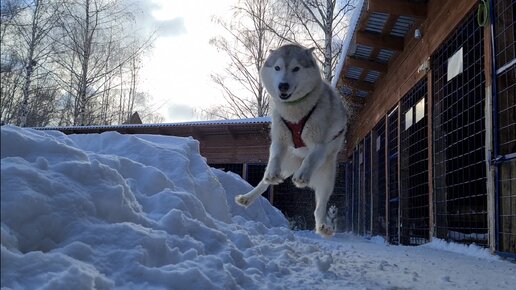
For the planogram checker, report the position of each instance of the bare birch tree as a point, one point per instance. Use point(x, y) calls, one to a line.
point(246, 44)
point(70, 62)
point(96, 47)
point(41, 20)
point(319, 24)
point(26, 47)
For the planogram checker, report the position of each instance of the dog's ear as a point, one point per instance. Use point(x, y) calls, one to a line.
point(271, 51)
point(310, 50)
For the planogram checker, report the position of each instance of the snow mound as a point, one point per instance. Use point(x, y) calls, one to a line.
point(471, 250)
point(109, 211)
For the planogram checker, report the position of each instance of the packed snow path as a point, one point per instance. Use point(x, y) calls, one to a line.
point(111, 211)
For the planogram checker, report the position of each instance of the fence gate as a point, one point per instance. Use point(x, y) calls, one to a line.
point(367, 186)
point(458, 85)
point(504, 104)
point(349, 196)
point(378, 179)
point(414, 166)
point(356, 191)
point(393, 176)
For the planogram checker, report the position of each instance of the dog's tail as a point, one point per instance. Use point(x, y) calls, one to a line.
point(248, 198)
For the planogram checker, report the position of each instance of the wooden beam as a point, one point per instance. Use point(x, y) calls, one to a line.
point(359, 85)
point(379, 40)
point(398, 7)
point(354, 100)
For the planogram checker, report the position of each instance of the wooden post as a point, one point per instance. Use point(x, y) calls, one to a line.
point(399, 173)
point(271, 194)
point(490, 168)
point(371, 206)
point(244, 171)
point(386, 168)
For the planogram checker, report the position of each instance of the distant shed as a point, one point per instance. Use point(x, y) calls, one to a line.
point(221, 141)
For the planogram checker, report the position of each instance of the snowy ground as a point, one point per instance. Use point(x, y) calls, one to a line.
point(146, 212)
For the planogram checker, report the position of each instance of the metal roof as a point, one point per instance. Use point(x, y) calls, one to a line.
point(384, 23)
point(250, 121)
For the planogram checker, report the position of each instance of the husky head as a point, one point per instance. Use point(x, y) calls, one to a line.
point(332, 211)
point(290, 73)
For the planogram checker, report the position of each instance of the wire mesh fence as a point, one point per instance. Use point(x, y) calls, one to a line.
point(378, 179)
point(367, 185)
point(460, 192)
point(414, 189)
point(392, 177)
point(505, 71)
point(356, 191)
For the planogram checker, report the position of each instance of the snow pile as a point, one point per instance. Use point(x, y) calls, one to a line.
point(98, 211)
point(379, 240)
point(471, 250)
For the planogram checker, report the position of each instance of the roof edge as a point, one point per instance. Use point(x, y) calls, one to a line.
point(249, 121)
point(347, 40)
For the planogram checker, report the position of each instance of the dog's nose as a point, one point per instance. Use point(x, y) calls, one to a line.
point(283, 87)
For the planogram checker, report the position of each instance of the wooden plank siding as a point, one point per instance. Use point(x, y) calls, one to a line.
point(218, 143)
point(443, 17)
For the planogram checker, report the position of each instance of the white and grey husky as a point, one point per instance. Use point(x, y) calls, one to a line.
point(309, 121)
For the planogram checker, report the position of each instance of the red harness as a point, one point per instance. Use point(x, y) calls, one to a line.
point(296, 129)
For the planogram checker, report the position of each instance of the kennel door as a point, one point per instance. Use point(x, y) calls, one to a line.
point(504, 103)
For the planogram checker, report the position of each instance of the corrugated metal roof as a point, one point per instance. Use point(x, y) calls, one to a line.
point(372, 76)
point(362, 94)
point(402, 26)
point(261, 120)
point(363, 51)
point(384, 55)
point(345, 90)
point(376, 22)
point(354, 73)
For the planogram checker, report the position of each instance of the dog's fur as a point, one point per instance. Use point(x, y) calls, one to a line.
point(293, 80)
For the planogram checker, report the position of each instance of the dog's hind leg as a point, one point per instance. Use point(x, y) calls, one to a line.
point(323, 183)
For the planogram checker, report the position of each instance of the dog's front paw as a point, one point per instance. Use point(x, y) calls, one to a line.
point(325, 231)
point(273, 179)
point(300, 179)
point(242, 200)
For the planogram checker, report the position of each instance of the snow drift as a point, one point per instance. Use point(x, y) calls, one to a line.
point(99, 211)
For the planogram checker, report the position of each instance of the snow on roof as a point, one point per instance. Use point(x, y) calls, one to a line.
point(259, 120)
point(359, 7)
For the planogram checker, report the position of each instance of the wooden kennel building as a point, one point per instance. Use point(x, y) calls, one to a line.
point(431, 151)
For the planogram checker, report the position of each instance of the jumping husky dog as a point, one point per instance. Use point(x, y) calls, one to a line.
point(309, 122)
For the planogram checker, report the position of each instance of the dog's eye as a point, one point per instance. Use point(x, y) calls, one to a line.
point(277, 68)
point(295, 69)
